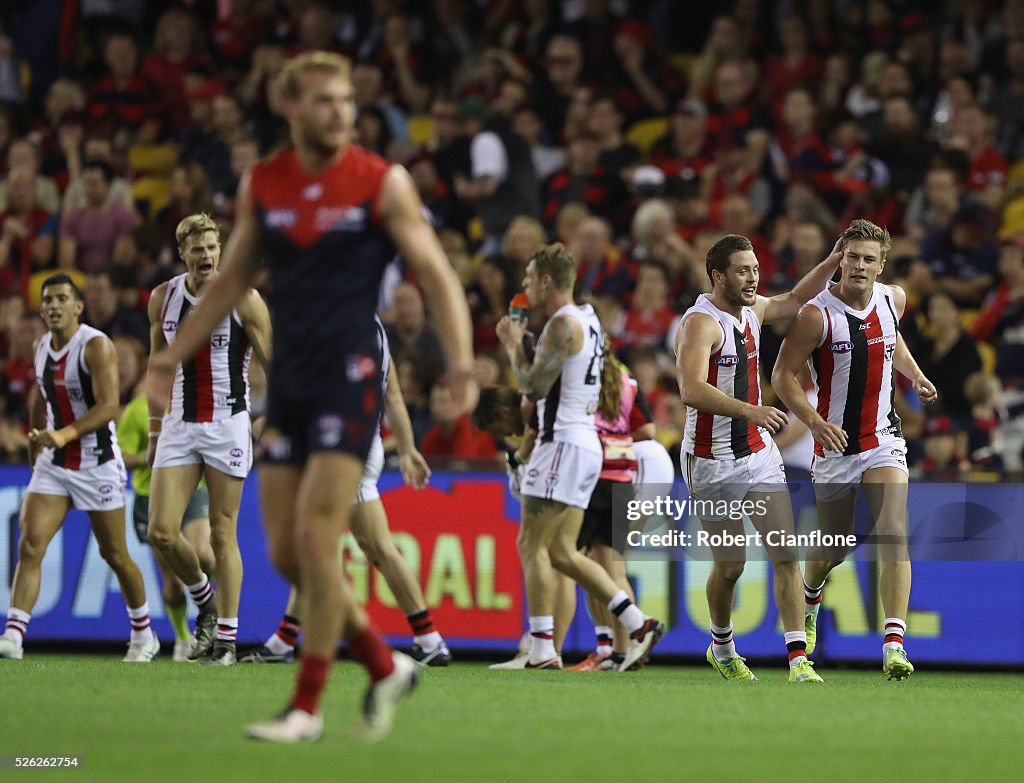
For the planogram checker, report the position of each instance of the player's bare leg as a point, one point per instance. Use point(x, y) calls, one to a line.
point(720, 589)
point(612, 562)
point(533, 541)
point(225, 499)
point(370, 528)
point(109, 529)
point(564, 608)
point(835, 518)
point(886, 490)
point(39, 520)
point(644, 632)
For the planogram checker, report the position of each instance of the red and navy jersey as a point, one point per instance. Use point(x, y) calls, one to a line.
point(214, 383)
point(733, 370)
point(327, 251)
point(66, 384)
point(853, 371)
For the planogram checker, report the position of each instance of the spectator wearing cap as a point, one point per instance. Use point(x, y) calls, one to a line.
point(961, 259)
point(100, 232)
point(987, 173)
point(502, 183)
point(95, 147)
point(583, 180)
point(684, 151)
point(645, 83)
point(943, 448)
point(948, 355)
point(176, 55)
point(28, 233)
point(122, 98)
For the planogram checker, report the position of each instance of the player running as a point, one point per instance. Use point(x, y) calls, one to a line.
point(850, 336)
point(76, 463)
point(328, 217)
point(370, 528)
point(727, 453)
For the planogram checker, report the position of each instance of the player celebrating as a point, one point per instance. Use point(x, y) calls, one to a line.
point(75, 462)
point(850, 333)
point(327, 216)
point(727, 451)
point(207, 433)
point(564, 378)
point(370, 528)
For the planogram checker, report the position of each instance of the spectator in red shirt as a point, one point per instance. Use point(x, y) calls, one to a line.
point(28, 234)
point(488, 300)
point(176, 56)
point(987, 172)
point(684, 152)
point(123, 98)
point(453, 434)
point(795, 66)
point(648, 320)
point(585, 180)
point(645, 82)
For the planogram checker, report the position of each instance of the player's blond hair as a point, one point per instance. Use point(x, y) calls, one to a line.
point(288, 84)
point(861, 230)
point(557, 262)
point(193, 225)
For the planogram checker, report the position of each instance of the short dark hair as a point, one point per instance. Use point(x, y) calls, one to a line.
point(490, 403)
point(105, 168)
point(717, 259)
point(61, 279)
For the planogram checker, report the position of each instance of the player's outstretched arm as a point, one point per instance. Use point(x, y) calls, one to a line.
point(101, 361)
point(697, 340)
point(402, 215)
point(785, 306)
point(801, 340)
point(256, 321)
point(415, 470)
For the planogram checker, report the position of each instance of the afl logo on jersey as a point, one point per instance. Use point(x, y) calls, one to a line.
point(727, 361)
point(842, 346)
point(281, 218)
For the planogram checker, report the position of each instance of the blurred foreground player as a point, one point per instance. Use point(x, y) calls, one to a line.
point(850, 336)
point(76, 463)
point(328, 216)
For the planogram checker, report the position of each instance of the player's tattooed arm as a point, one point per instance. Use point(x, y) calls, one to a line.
point(556, 345)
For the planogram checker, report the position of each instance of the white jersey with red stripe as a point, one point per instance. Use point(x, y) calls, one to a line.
point(733, 370)
point(853, 371)
point(214, 383)
point(566, 414)
point(66, 384)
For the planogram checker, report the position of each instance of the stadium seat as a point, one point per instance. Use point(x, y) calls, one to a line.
point(643, 134)
point(35, 284)
point(421, 129)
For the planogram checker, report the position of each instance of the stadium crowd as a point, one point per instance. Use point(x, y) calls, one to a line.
point(637, 133)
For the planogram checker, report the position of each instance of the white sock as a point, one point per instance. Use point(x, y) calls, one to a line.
point(17, 624)
point(277, 645)
point(428, 641)
point(722, 645)
point(542, 638)
point(141, 630)
point(895, 629)
point(227, 629)
point(629, 614)
point(796, 636)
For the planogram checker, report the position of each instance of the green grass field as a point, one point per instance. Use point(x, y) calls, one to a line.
point(175, 722)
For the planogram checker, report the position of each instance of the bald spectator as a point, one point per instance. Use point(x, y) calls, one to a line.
point(408, 331)
point(601, 268)
point(100, 232)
